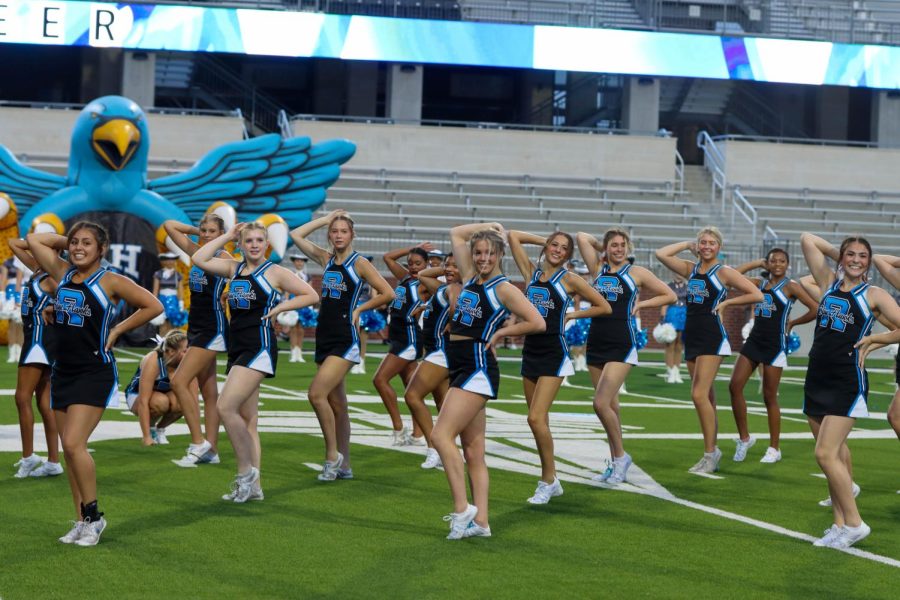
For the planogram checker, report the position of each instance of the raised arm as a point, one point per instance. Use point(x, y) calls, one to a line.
point(147, 305)
point(45, 249)
point(817, 251)
point(589, 248)
point(577, 286)
point(290, 283)
point(390, 259)
point(888, 266)
point(735, 280)
point(429, 278)
point(759, 263)
point(20, 249)
point(517, 240)
point(796, 290)
point(530, 320)
point(205, 257)
point(382, 292)
point(668, 255)
point(178, 232)
point(662, 294)
point(881, 301)
point(314, 251)
point(459, 240)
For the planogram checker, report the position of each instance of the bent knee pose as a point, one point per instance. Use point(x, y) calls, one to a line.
point(33, 377)
point(255, 290)
point(431, 376)
point(705, 340)
point(836, 388)
point(612, 346)
point(207, 336)
point(484, 302)
point(404, 334)
point(337, 335)
point(545, 356)
point(767, 346)
point(84, 378)
point(149, 394)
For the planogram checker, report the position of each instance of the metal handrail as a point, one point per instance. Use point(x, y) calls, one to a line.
point(740, 205)
point(715, 164)
point(284, 125)
point(679, 172)
point(792, 140)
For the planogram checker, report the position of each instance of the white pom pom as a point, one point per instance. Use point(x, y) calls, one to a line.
point(158, 320)
point(288, 318)
point(664, 333)
point(745, 330)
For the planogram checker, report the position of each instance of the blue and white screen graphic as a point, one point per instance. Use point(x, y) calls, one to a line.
point(354, 37)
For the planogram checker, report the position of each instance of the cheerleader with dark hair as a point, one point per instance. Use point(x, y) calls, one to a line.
point(889, 267)
point(84, 379)
point(836, 388)
point(767, 346)
point(33, 377)
point(404, 335)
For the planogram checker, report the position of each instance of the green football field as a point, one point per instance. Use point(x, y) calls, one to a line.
point(668, 533)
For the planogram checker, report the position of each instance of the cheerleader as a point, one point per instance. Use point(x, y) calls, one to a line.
point(207, 336)
point(167, 287)
point(612, 347)
point(11, 283)
point(296, 333)
point(431, 375)
point(149, 394)
point(545, 356)
point(485, 300)
point(33, 378)
point(404, 334)
point(889, 267)
point(766, 346)
point(84, 380)
point(255, 290)
point(675, 315)
point(705, 340)
point(337, 337)
point(836, 387)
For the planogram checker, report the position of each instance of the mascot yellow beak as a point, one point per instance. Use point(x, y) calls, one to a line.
point(116, 142)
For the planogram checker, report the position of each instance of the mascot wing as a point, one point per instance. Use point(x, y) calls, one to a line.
point(26, 186)
point(261, 175)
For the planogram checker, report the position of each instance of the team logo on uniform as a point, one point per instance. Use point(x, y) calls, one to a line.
point(467, 309)
point(240, 294)
point(541, 299)
point(697, 292)
point(835, 313)
point(399, 297)
point(27, 302)
point(333, 284)
point(610, 287)
point(766, 307)
point(197, 280)
point(70, 307)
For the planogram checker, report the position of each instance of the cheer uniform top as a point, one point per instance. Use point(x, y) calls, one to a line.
point(83, 371)
point(207, 327)
point(547, 354)
point(335, 333)
point(403, 330)
point(34, 301)
point(478, 315)
point(252, 341)
point(12, 270)
point(767, 342)
point(613, 337)
point(434, 321)
point(835, 385)
point(704, 333)
point(160, 384)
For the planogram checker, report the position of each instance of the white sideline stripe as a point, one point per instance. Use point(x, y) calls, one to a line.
point(707, 475)
point(821, 475)
point(313, 466)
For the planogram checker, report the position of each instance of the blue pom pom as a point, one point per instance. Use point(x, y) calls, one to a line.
point(640, 339)
point(576, 335)
point(372, 320)
point(793, 343)
point(309, 317)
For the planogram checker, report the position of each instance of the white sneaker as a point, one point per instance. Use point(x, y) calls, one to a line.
point(293, 355)
point(622, 390)
point(602, 477)
point(545, 491)
point(48, 469)
point(459, 522)
point(677, 373)
point(300, 358)
point(432, 459)
point(772, 455)
point(412, 440)
point(210, 458)
point(90, 535)
point(709, 463)
point(74, 533)
point(256, 492)
point(565, 382)
point(194, 455)
point(400, 438)
point(670, 376)
point(161, 438)
point(476, 530)
point(620, 469)
point(330, 469)
point(831, 534)
point(827, 501)
point(345, 474)
point(27, 465)
point(740, 453)
point(245, 485)
point(850, 535)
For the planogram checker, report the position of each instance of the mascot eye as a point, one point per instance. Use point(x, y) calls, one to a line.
point(95, 116)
